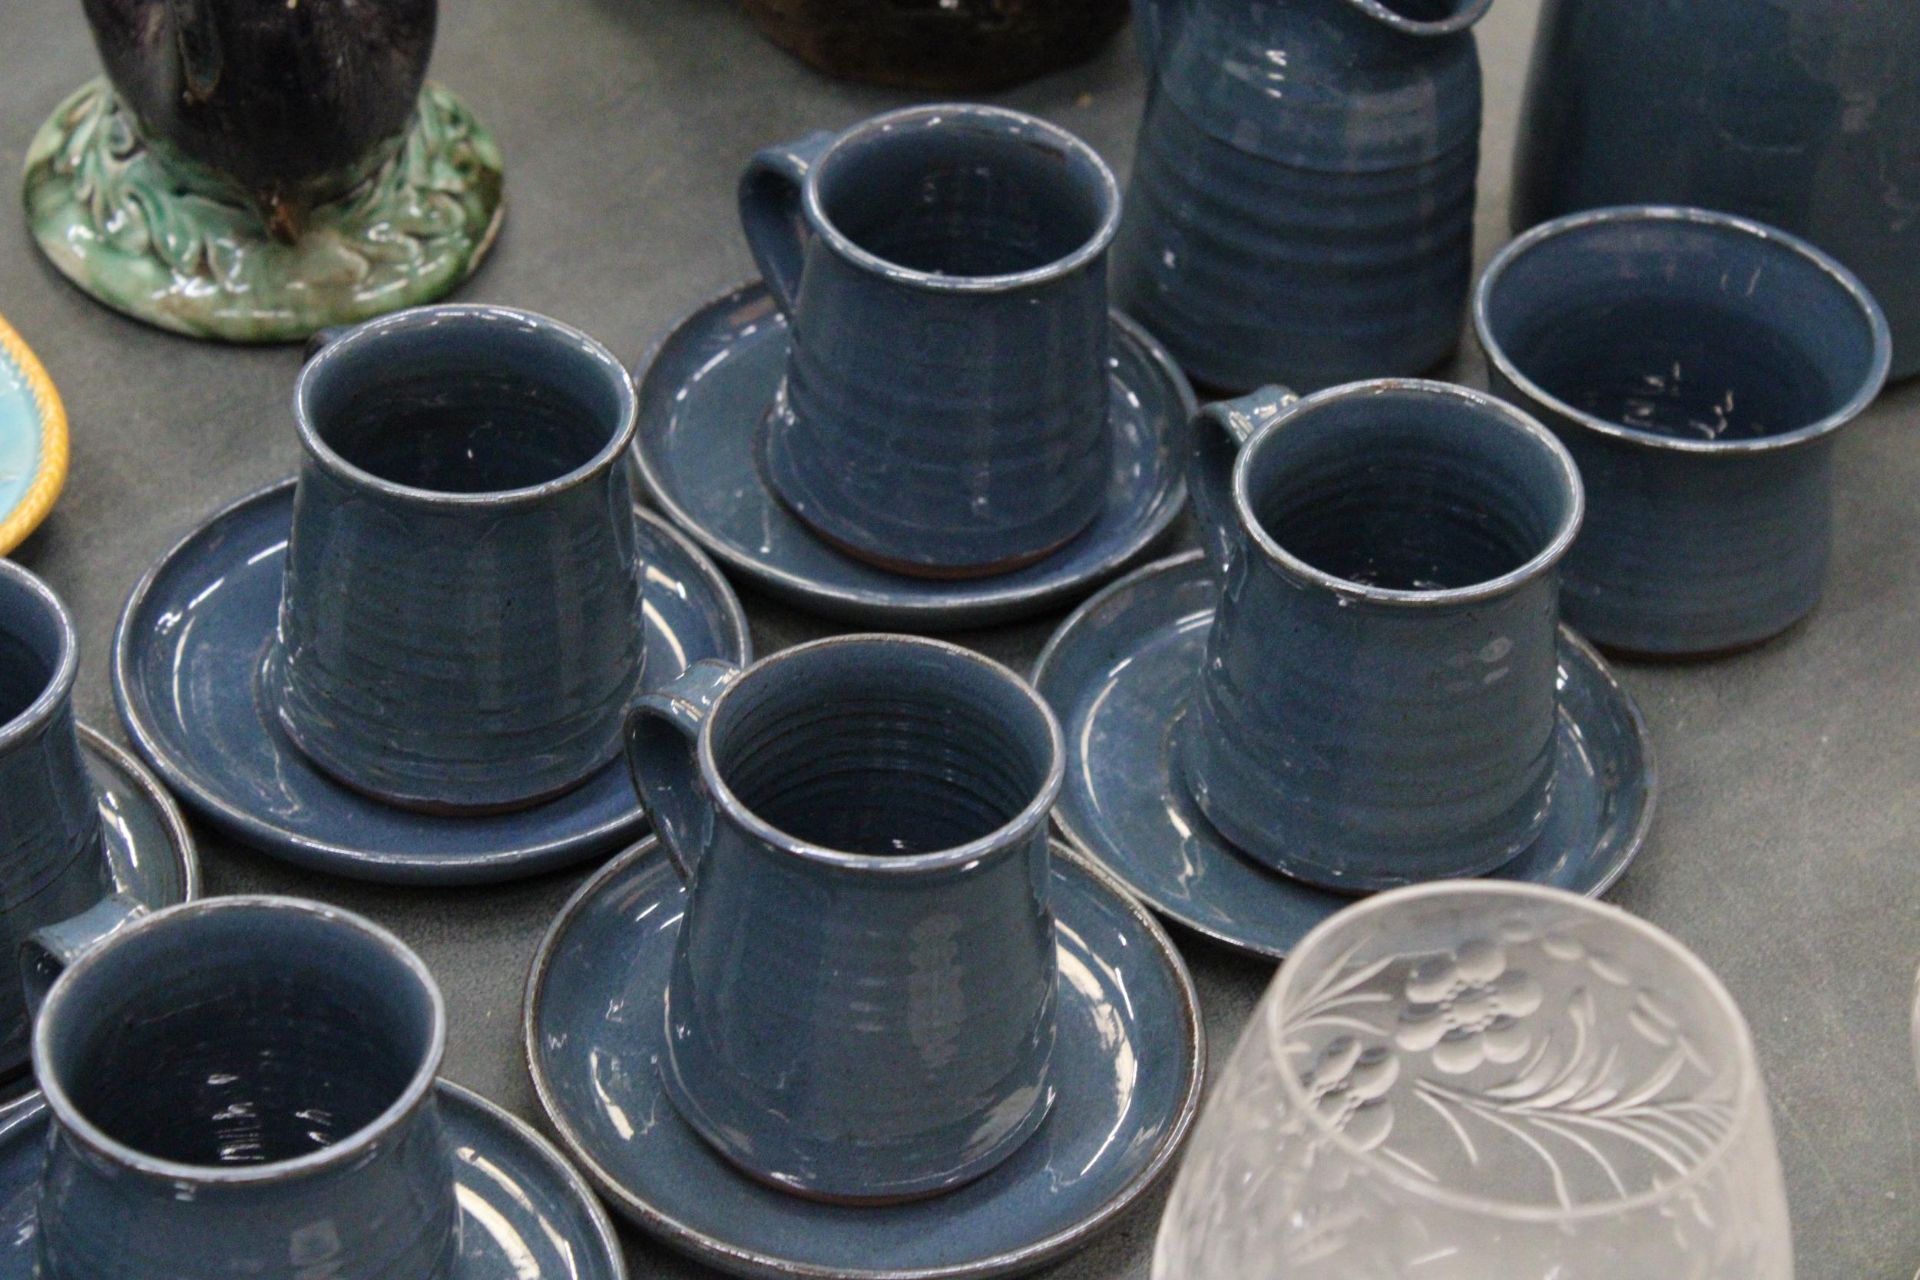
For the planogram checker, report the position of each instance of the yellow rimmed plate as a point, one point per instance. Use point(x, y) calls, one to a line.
point(33, 440)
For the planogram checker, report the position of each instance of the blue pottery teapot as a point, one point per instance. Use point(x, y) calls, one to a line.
point(1301, 209)
point(1803, 114)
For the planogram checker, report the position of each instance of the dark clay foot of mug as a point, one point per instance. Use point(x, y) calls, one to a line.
point(905, 568)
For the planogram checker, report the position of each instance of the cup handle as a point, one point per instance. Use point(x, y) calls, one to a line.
point(663, 735)
point(320, 339)
point(46, 953)
point(1219, 432)
point(771, 216)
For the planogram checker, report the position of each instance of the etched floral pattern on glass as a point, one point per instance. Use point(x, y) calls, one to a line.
point(1473, 1080)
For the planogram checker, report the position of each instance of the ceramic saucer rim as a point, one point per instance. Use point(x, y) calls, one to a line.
point(956, 604)
point(697, 1244)
point(186, 855)
point(31, 1108)
point(606, 1235)
point(1607, 680)
point(334, 858)
point(52, 450)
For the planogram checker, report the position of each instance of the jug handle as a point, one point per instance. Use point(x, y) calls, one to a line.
point(1219, 432)
point(663, 742)
point(47, 953)
point(772, 213)
point(1154, 22)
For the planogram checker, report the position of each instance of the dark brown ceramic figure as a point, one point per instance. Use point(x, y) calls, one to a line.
point(939, 45)
point(293, 103)
point(255, 170)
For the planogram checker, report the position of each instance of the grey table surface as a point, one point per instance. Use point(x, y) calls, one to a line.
point(1784, 849)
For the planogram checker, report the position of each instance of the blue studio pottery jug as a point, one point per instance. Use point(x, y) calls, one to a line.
point(1301, 208)
point(1803, 114)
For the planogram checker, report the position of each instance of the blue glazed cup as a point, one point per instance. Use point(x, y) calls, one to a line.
point(242, 1088)
point(862, 1000)
point(1698, 366)
point(463, 497)
point(1378, 702)
point(943, 272)
point(51, 861)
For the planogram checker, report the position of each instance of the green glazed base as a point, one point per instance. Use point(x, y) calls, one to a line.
point(122, 224)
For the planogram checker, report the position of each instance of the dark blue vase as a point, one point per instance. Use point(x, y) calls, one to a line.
point(1301, 208)
point(1804, 114)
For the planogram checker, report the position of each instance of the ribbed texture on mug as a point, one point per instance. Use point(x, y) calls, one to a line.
point(470, 659)
point(976, 434)
point(390, 1215)
point(1384, 749)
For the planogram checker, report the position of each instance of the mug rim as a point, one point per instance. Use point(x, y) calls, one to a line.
point(59, 683)
point(1850, 284)
point(999, 841)
point(87, 1134)
point(1565, 531)
point(322, 454)
point(931, 113)
point(1748, 1092)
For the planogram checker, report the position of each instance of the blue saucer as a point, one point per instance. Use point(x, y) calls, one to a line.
point(1128, 1065)
point(704, 390)
point(148, 847)
point(1117, 673)
point(525, 1214)
point(185, 659)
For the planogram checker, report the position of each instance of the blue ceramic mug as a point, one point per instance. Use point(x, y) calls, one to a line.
point(1698, 366)
point(1378, 701)
point(862, 999)
point(52, 865)
point(463, 496)
point(943, 272)
point(240, 1088)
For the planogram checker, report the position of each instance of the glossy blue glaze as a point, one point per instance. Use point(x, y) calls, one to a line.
point(243, 1087)
point(207, 610)
point(149, 855)
point(1127, 1065)
point(1301, 207)
point(865, 817)
point(705, 386)
point(1119, 673)
point(524, 1212)
point(50, 838)
point(1802, 114)
point(1376, 706)
point(462, 488)
point(943, 273)
point(1697, 366)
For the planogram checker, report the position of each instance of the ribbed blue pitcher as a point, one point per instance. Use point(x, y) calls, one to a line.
point(1301, 208)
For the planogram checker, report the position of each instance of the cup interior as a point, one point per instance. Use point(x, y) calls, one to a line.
point(466, 401)
point(1519, 1048)
point(883, 748)
point(33, 644)
point(1684, 329)
point(1409, 490)
point(239, 1036)
point(958, 194)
